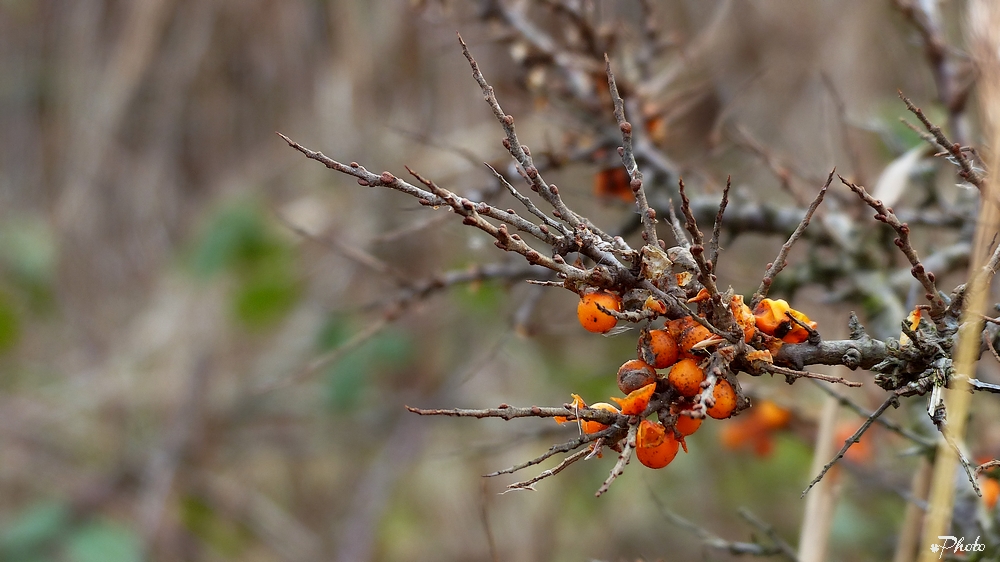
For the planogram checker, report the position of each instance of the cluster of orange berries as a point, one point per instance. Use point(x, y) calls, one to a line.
point(680, 347)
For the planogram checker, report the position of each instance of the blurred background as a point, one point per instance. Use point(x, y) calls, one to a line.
point(206, 340)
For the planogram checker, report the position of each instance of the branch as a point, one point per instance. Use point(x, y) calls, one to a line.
point(968, 171)
point(779, 262)
point(892, 400)
point(926, 278)
point(646, 214)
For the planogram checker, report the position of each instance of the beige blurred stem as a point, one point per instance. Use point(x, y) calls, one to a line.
point(984, 39)
point(822, 500)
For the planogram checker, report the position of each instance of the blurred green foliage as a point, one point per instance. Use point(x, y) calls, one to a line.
point(239, 240)
point(220, 533)
point(47, 531)
point(28, 253)
point(355, 374)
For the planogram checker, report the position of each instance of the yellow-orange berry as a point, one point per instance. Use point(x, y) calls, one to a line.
point(771, 317)
point(686, 425)
point(655, 447)
point(991, 491)
point(591, 317)
point(590, 426)
point(658, 348)
point(635, 374)
point(635, 403)
point(686, 377)
point(725, 400)
point(770, 415)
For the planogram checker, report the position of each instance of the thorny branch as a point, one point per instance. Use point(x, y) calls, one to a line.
point(671, 276)
point(920, 273)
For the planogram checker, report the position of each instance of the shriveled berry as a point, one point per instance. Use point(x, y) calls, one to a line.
point(725, 400)
point(744, 317)
point(591, 317)
point(676, 327)
point(635, 403)
point(635, 374)
point(686, 377)
point(655, 447)
point(771, 317)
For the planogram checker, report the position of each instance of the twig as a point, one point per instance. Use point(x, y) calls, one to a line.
point(556, 449)
point(794, 373)
point(881, 420)
point(528, 204)
point(677, 229)
point(711, 540)
point(926, 278)
point(968, 172)
point(770, 531)
point(529, 483)
point(986, 466)
point(508, 413)
point(623, 459)
point(779, 262)
point(892, 400)
point(646, 214)
point(979, 385)
point(964, 461)
point(713, 244)
point(721, 315)
point(523, 157)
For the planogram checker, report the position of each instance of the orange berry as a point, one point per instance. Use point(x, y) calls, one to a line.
point(991, 491)
point(655, 447)
point(690, 337)
point(734, 434)
point(725, 400)
point(686, 377)
point(591, 317)
point(770, 415)
point(659, 349)
point(635, 403)
point(595, 426)
point(686, 425)
point(635, 374)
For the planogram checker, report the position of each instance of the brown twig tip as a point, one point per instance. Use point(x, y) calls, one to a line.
point(884, 214)
point(968, 171)
point(779, 262)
